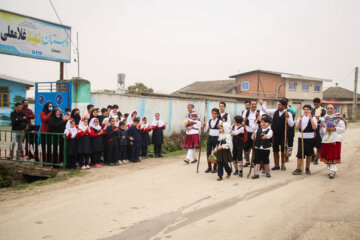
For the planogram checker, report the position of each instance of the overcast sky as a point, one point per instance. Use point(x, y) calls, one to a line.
point(168, 44)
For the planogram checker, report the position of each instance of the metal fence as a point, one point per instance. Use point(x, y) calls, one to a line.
point(49, 149)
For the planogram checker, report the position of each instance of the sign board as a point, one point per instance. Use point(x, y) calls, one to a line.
point(30, 37)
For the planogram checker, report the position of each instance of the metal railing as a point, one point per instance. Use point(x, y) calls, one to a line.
point(49, 149)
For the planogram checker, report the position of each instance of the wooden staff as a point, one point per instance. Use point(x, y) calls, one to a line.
point(285, 145)
point(200, 139)
point(252, 157)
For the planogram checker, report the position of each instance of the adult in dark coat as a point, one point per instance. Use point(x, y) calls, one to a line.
point(57, 124)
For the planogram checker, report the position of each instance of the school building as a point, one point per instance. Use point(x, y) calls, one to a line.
point(12, 90)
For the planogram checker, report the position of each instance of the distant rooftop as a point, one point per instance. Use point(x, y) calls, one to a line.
point(218, 86)
point(338, 93)
point(285, 75)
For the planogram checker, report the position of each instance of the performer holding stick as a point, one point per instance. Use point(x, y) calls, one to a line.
point(280, 117)
point(307, 125)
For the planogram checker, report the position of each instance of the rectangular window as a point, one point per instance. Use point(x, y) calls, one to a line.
point(245, 85)
point(317, 87)
point(4, 96)
point(305, 87)
point(292, 86)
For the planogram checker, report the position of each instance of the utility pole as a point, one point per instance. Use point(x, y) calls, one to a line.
point(354, 109)
point(77, 51)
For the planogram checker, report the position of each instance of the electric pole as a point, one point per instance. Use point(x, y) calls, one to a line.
point(77, 51)
point(354, 109)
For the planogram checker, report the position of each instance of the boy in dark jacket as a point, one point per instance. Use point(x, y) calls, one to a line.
point(123, 139)
point(111, 143)
point(135, 140)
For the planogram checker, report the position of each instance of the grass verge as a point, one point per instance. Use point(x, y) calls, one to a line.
point(70, 174)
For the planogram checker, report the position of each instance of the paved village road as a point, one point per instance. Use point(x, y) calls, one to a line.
point(165, 199)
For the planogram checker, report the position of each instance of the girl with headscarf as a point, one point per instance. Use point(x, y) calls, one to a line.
point(223, 151)
point(75, 114)
point(332, 127)
point(158, 127)
point(97, 143)
point(45, 139)
point(71, 133)
point(145, 129)
point(130, 119)
point(84, 144)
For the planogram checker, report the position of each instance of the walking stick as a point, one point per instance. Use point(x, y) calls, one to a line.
point(252, 158)
point(200, 139)
point(285, 146)
point(302, 147)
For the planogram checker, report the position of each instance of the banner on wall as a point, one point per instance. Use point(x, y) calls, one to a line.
point(30, 37)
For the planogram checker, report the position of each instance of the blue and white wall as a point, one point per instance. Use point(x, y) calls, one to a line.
point(15, 89)
point(172, 110)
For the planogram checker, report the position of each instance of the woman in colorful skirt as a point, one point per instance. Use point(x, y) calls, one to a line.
point(192, 142)
point(332, 127)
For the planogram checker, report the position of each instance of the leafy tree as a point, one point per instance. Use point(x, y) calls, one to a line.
point(106, 91)
point(16, 99)
point(138, 88)
point(31, 100)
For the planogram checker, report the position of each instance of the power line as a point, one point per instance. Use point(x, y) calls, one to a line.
point(62, 24)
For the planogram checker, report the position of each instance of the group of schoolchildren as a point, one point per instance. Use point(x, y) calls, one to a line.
point(105, 135)
point(259, 131)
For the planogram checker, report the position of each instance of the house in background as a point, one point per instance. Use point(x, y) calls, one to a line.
point(270, 85)
point(297, 88)
point(12, 90)
point(342, 98)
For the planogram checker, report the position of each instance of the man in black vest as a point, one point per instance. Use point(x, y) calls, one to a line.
point(250, 117)
point(280, 116)
point(222, 107)
point(319, 113)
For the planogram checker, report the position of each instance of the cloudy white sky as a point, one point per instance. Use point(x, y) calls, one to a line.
point(168, 44)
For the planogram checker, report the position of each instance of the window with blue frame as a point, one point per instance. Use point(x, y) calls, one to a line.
point(292, 86)
point(305, 87)
point(245, 85)
point(317, 87)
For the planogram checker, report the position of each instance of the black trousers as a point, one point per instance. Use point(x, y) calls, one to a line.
point(71, 162)
point(261, 155)
point(211, 144)
point(31, 139)
point(111, 152)
point(58, 149)
point(238, 150)
point(135, 152)
point(122, 154)
point(144, 150)
point(249, 142)
point(157, 149)
point(95, 158)
point(221, 167)
point(83, 159)
point(46, 147)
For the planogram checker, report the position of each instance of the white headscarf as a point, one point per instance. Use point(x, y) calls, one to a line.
point(93, 125)
point(155, 122)
point(82, 126)
point(71, 130)
point(113, 113)
point(108, 120)
point(226, 135)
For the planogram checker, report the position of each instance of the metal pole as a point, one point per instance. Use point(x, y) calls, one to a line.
point(77, 51)
point(354, 107)
point(61, 71)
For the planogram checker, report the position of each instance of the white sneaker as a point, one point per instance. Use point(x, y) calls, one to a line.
point(121, 162)
point(126, 161)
